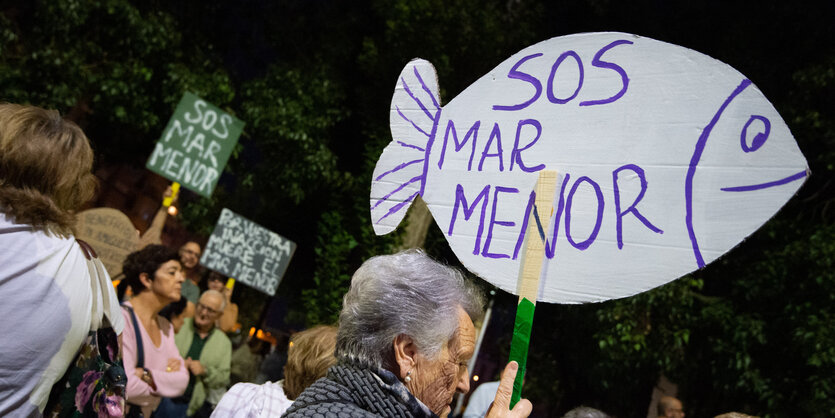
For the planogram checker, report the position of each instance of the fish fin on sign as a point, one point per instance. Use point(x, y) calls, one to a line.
point(400, 174)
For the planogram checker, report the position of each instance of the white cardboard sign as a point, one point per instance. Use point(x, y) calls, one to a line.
point(666, 158)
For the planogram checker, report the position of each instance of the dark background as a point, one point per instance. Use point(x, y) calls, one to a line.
point(313, 79)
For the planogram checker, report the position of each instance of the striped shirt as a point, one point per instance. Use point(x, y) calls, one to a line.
point(248, 400)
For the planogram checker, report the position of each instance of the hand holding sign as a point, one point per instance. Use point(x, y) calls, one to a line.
point(501, 404)
point(169, 197)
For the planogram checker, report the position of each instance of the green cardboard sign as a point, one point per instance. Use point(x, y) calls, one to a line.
point(250, 253)
point(196, 145)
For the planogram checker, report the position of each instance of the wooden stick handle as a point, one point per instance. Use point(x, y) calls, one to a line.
point(529, 275)
point(534, 248)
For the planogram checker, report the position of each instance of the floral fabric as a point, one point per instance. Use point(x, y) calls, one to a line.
point(94, 386)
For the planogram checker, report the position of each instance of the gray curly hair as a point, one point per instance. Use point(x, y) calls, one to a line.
point(404, 293)
point(585, 412)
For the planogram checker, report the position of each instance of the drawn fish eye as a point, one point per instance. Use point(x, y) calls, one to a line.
point(759, 138)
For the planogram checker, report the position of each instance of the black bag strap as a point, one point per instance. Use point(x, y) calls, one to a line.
point(140, 352)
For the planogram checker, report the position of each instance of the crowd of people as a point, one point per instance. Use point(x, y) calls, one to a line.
point(382, 360)
point(401, 348)
point(182, 358)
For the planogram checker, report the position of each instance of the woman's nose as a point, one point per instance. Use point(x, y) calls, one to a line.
point(464, 382)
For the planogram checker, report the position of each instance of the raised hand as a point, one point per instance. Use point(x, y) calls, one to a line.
point(501, 403)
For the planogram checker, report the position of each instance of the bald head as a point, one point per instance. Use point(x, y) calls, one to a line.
point(670, 407)
point(208, 310)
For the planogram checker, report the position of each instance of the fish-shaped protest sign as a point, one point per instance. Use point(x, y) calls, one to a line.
point(666, 158)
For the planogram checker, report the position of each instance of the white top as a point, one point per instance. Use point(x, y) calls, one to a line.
point(481, 400)
point(248, 400)
point(48, 306)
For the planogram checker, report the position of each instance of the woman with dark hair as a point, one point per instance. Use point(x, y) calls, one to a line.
point(54, 290)
point(174, 312)
point(156, 277)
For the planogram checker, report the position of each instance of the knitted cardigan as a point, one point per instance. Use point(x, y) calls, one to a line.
point(352, 391)
point(216, 358)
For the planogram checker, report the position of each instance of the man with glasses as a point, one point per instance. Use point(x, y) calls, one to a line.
point(190, 259)
point(207, 353)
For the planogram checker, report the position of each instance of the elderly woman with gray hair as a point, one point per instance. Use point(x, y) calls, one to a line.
point(405, 336)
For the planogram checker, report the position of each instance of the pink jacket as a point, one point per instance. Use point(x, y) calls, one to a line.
point(169, 384)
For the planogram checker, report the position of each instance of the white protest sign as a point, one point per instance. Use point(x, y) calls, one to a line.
point(250, 253)
point(666, 159)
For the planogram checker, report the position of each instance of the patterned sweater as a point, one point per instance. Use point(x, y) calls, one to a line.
point(351, 391)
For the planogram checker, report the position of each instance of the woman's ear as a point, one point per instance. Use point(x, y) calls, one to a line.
point(405, 355)
point(146, 281)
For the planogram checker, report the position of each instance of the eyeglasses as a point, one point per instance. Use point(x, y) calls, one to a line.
point(201, 306)
point(190, 252)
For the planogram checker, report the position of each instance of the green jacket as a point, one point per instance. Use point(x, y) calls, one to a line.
point(215, 358)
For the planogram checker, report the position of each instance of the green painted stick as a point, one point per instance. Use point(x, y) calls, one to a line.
point(531, 269)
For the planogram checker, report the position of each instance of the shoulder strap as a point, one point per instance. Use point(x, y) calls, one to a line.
point(140, 352)
point(97, 315)
point(100, 285)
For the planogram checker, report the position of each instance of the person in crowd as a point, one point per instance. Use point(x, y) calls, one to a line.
point(155, 275)
point(208, 354)
point(122, 292)
point(585, 412)
point(47, 290)
point(272, 368)
point(246, 360)
point(405, 335)
point(309, 357)
point(670, 407)
point(229, 318)
point(190, 258)
point(174, 312)
point(481, 399)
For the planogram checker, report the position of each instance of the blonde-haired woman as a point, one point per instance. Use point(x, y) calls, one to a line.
point(308, 358)
point(51, 297)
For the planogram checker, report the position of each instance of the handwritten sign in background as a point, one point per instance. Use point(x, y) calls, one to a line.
point(111, 233)
point(196, 145)
point(666, 158)
point(250, 253)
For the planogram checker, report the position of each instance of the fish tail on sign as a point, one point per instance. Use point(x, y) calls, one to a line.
point(533, 258)
point(400, 174)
